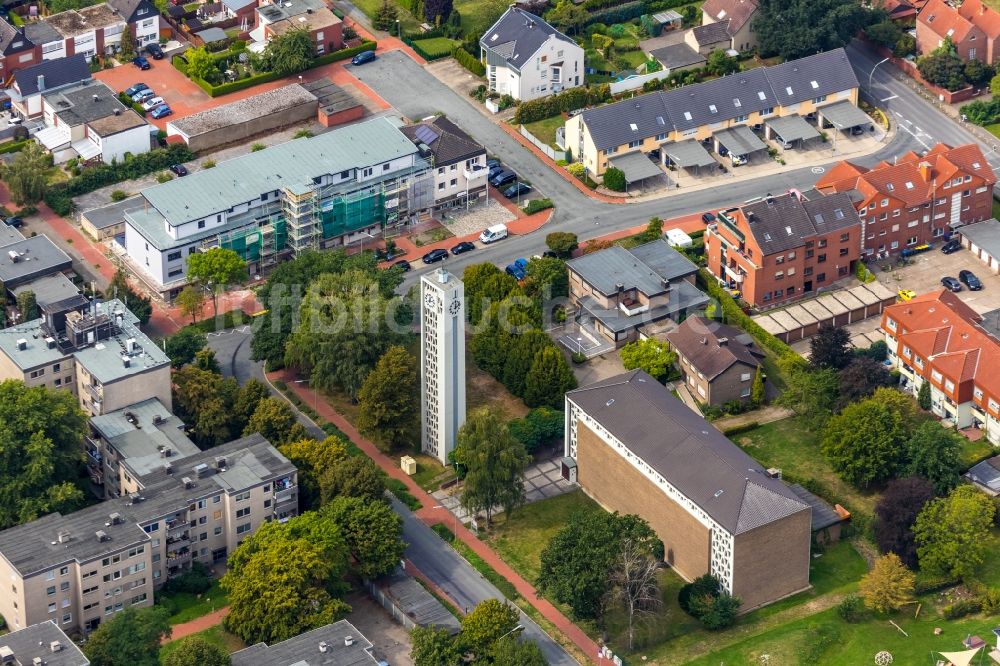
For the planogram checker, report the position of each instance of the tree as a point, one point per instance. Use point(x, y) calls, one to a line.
point(634, 584)
point(830, 348)
point(487, 622)
point(130, 638)
point(275, 420)
point(540, 426)
point(650, 355)
point(510, 652)
point(437, 11)
point(182, 346)
point(314, 460)
point(945, 70)
point(721, 64)
point(26, 175)
point(995, 85)
point(41, 444)
point(699, 587)
point(861, 378)
point(389, 402)
point(866, 443)
point(812, 394)
point(797, 28)
point(485, 286)
point(715, 611)
point(567, 16)
point(138, 304)
point(218, 269)
point(203, 400)
point(126, 47)
point(434, 647)
point(548, 380)
point(976, 73)
point(520, 356)
point(247, 400)
point(885, 33)
point(953, 533)
point(614, 178)
point(290, 52)
point(385, 18)
point(357, 476)
point(373, 533)
point(286, 579)
point(935, 454)
point(888, 585)
point(895, 514)
point(27, 305)
point(577, 561)
point(905, 46)
point(924, 395)
point(197, 651)
point(757, 393)
point(201, 64)
point(547, 278)
point(495, 464)
point(191, 300)
point(562, 243)
point(205, 359)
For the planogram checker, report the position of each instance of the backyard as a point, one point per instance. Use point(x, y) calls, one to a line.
point(215, 635)
point(185, 606)
point(545, 129)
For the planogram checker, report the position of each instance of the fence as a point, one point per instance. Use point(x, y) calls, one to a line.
point(544, 147)
point(390, 605)
point(637, 81)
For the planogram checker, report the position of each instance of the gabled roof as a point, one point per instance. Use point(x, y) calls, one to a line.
point(12, 40)
point(55, 74)
point(711, 33)
point(944, 20)
point(711, 347)
point(981, 16)
point(675, 56)
point(518, 34)
point(785, 222)
point(737, 11)
point(448, 143)
point(128, 8)
point(811, 77)
point(687, 452)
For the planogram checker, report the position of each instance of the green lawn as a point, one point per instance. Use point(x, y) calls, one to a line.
point(996, 204)
point(215, 635)
point(431, 473)
point(974, 452)
point(406, 20)
point(188, 606)
point(634, 58)
point(545, 129)
point(436, 47)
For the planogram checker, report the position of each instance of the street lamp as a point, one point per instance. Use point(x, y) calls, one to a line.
point(872, 73)
point(363, 240)
point(315, 398)
point(517, 628)
point(579, 345)
point(399, 35)
point(455, 515)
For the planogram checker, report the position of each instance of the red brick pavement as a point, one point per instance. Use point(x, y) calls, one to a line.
point(198, 624)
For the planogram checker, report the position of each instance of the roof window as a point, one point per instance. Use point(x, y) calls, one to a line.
point(737, 103)
point(761, 95)
point(909, 184)
point(687, 115)
point(838, 213)
point(976, 165)
point(788, 89)
point(890, 187)
point(788, 230)
point(711, 107)
point(767, 237)
point(814, 84)
point(819, 218)
point(633, 126)
point(494, 37)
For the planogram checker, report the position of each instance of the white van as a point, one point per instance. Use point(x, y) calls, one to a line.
point(494, 233)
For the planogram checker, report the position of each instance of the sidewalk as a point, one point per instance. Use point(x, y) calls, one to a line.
point(432, 516)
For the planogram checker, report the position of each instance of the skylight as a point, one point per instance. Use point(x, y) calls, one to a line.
point(788, 89)
point(909, 185)
point(761, 96)
point(838, 213)
point(721, 14)
point(711, 107)
point(687, 115)
point(660, 120)
point(890, 187)
point(819, 218)
point(976, 165)
point(767, 237)
point(788, 230)
point(494, 37)
point(737, 103)
point(814, 84)
point(633, 126)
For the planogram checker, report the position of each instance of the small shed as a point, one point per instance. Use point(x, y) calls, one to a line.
point(669, 20)
point(826, 520)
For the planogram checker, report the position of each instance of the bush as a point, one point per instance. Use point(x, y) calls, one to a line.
point(619, 14)
point(119, 195)
point(740, 429)
point(344, 54)
point(568, 100)
point(195, 581)
point(536, 205)
point(434, 48)
point(540, 425)
point(961, 608)
point(614, 179)
point(852, 609)
point(989, 600)
point(13, 146)
point(468, 61)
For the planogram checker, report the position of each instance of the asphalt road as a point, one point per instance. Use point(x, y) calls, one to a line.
point(425, 549)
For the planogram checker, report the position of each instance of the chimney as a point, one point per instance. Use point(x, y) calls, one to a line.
point(63, 536)
point(925, 170)
point(126, 361)
point(723, 342)
point(55, 646)
point(41, 83)
point(96, 98)
point(22, 344)
point(774, 472)
point(324, 646)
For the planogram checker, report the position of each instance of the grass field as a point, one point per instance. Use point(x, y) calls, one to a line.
point(545, 129)
point(436, 47)
point(429, 469)
point(189, 606)
point(216, 635)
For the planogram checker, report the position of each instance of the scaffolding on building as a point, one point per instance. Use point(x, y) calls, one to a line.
point(300, 206)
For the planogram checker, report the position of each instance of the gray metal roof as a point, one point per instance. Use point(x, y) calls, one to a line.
point(844, 114)
point(739, 140)
point(687, 451)
point(51, 289)
point(986, 474)
point(103, 217)
point(792, 128)
point(985, 235)
point(417, 603)
point(687, 154)
point(298, 161)
point(36, 256)
point(305, 649)
point(140, 445)
point(517, 35)
point(811, 77)
point(643, 268)
point(636, 166)
point(38, 641)
point(823, 515)
point(684, 298)
point(212, 35)
point(55, 73)
point(676, 56)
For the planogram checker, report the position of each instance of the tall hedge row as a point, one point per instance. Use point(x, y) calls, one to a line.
point(469, 61)
point(620, 14)
point(568, 100)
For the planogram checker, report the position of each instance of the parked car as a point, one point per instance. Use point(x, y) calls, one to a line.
point(141, 63)
point(402, 265)
point(738, 160)
point(492, 234)
point(517, 269)
point(155, 51)
point(951, 284)
point(503, 177)
point(435, 256)
point(494, 170)
point(954, 245)
point(143, 95)
point(13, 221)
point(492, 162)
point(907, 294)
point(152, 103)
point(707, 218)
point(464, 246)
point(363, 57)
point(179, 169)
point(970, 280)
point(132, 90)
point(516, 190)
point(161, 112)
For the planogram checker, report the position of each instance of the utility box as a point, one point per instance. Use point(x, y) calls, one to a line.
point(408, 465)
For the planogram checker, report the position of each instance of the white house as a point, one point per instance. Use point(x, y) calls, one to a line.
point(527, 58)
point(48, 76)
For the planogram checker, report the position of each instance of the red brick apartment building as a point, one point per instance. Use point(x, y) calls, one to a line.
point(972, 27)
point(918, 198)
point(780, 248)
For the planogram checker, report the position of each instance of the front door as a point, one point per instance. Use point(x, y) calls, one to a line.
point(808, 286)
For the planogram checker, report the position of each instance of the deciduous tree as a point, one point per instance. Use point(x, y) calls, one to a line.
point(247, 400)
point(945, 70)
point(191, 300)
point(313, 460)
point(953, 533)
point(203, 400)
point(126, 47)
point(935, 454)
point(830, 348)
point(389, 402)
point(721, 64)
point(548, 380)
point(567, 16)
point(614, 178)
point(487, 622)
point(812, 394)
point(217, 269)
point(650, 355)
point(888, 585)
point(130, 638)
point(634, 584)
point(182, 346)
point(138, 304)
point(495, 464)
point(290, 52)
point(485, 285)
point(510, 652)
point(373, 533)
point(27, 305)
point(860, 379)
point(434, 647)
point(357, 476)
point(796, 28)
point(201, 64)
point(275, 420)
point(895, 514)
point(547, 278)
point(562, 243)
point(924, 395)
point(196, 651)
point(25, 176)
point(205, 359)
point(436, 11)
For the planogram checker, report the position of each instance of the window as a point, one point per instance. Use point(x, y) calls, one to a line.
point(366, 172)
point(843, 251)
point(52, 608)
point(977, 393)
point(385, 167)
point(610, 151)
point(441, 186)
point(845, 237)
point(64, 570)
point(949, 385)
point(453, 182)
point(203, 520)
point(243, 512)
point(242, 497)
point(885, 202)
point(779, 260)
point(634, 144)
point(440, 171)
point(218, 531)
point(64, 586)
point(201, 225)
point(767, 111)
point(174, 256)
point(243, 529)
point(821, 277)
point(741, 118)
point(745, 377)
point(778, 293)
point(820, 258)
point(779, 275)
point(50, 590)
point(661, 137)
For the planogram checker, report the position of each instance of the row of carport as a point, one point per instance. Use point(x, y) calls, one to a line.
point(834, 308)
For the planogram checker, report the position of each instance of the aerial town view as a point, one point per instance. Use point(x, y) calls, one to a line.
point(499, 332)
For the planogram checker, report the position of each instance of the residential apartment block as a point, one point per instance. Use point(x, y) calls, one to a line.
point(918, 198)
point(279, 18)
point(635, 448)
point(323, 191)
point(80, 569)
point(42, 644)
point(717, 362)
point(337, 644)
point(937, 338)
point(971, 26)
point(675, 121)
point(737, 17)
point(783, 247)
point(94, 350)
point(459, 163)
point(527, 58)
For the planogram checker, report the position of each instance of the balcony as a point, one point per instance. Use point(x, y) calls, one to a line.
point(735, 275)
point(179, 558)
point(179, 541)
point(174, 527)
point(478, 171)
point(632, 308)
point(284, 495)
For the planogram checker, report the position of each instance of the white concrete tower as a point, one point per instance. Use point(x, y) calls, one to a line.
point(442, 362)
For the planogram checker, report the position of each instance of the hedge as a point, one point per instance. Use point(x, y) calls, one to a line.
point(740, 429)
point(620, 14)
point(734, 315)
point(536, 205)
point(469, 61)
point(344, 54)
point(13, 146)
point(568, 100)
point(434, 48)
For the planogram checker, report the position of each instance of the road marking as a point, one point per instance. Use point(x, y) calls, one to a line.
point(818, 169)
point(908, 131)
point(234, 331)
point(888, 98)
point(917, 127)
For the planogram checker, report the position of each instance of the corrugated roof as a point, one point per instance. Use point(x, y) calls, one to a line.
point(687, 451)
point(740, 140)
point(643, 268)
point(518, 34)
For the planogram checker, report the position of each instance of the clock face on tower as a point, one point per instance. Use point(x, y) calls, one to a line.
point(429, 300)
point(454, 307)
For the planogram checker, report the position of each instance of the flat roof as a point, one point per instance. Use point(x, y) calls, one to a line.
point(801, 315)
point(115, 123)
point(51, 289)
point(687, 154)
point(332, 98)
point(816, 309)
point(863, 295)
point(792, 128)
point(643, 268)
point(823, 515)
point(785, 320)
point(74, 22)
point(304, 649)
point(769, 325)
point(844, 114)
point(636, 166)
point(677, 55)
point(985, 235)
point(103, 217)
point(88, 102)
point(683, 297)
point(831, 303)
point(848, 299)
point(241, 111)
point(39, 641)
point(142, 432)
point(313, 20)
point(739, 140)
point(210, 35)
point(880, 290)
point(104, 359)
point(9, 235)
point(36, 256)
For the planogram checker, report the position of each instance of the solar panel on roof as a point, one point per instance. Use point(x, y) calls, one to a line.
point(426, 135)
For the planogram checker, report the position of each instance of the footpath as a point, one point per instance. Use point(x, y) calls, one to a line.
point(431, 516)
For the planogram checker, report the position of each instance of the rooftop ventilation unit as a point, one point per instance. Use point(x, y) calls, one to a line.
point(348, 641)
point(116, 518)
point(101, 535)
point(22, 344)
point(202, 470)
point(188, 483)
point(324, 646)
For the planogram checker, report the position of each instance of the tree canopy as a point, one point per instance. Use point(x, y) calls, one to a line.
point(830, 348)
point(191, 300)
point(888, 585)
point(289, 52)
point(548, 380)
point(494, 463)
point(138, 304)
point(812, 394)
point(547, 278)
point(895, 514)
point(313, 459)
point(373, 533)
point(25, 176)
point(275, 420)
point(182, 346)
point(953, 533)
point(389, 401)
point(485, 285)
point(434, 647)
point(650, 355)
point(357, 476)
point(562, 243)
point(130, 638)
point(487, 622)
point(794, 29)
point(935, 454)
point(861, 378)
point(217, 270)
point(196, 651)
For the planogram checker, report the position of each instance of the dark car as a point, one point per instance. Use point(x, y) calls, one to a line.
point(141, 63)
point(363, 57)
point(155, 51)
point(549, 254)
point(707, 218)
point(139, 87)
point(970, 280)
point(516, 269)
point(953, 245)
point(951, 284)
point(464, 246)
point(161, 112)
point(402, 265)
point(495, 169)
point(179, 169)
point(14, 221)
point(516, 190)
point(435, 256)
point(492, 162)
point(503, 177)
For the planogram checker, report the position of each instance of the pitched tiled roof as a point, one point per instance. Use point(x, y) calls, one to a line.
point(737, 11)
point(712, 33)
point(981, 16)
point(518, 34)
point(697, 339)
point(450, 144)
point(55, 74)
point(9, 35)
point(784, 222)
point(944, 20)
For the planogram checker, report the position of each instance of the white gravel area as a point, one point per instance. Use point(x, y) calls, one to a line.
point(462, 223)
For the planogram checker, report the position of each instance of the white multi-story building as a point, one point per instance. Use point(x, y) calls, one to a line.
point(442, 362)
